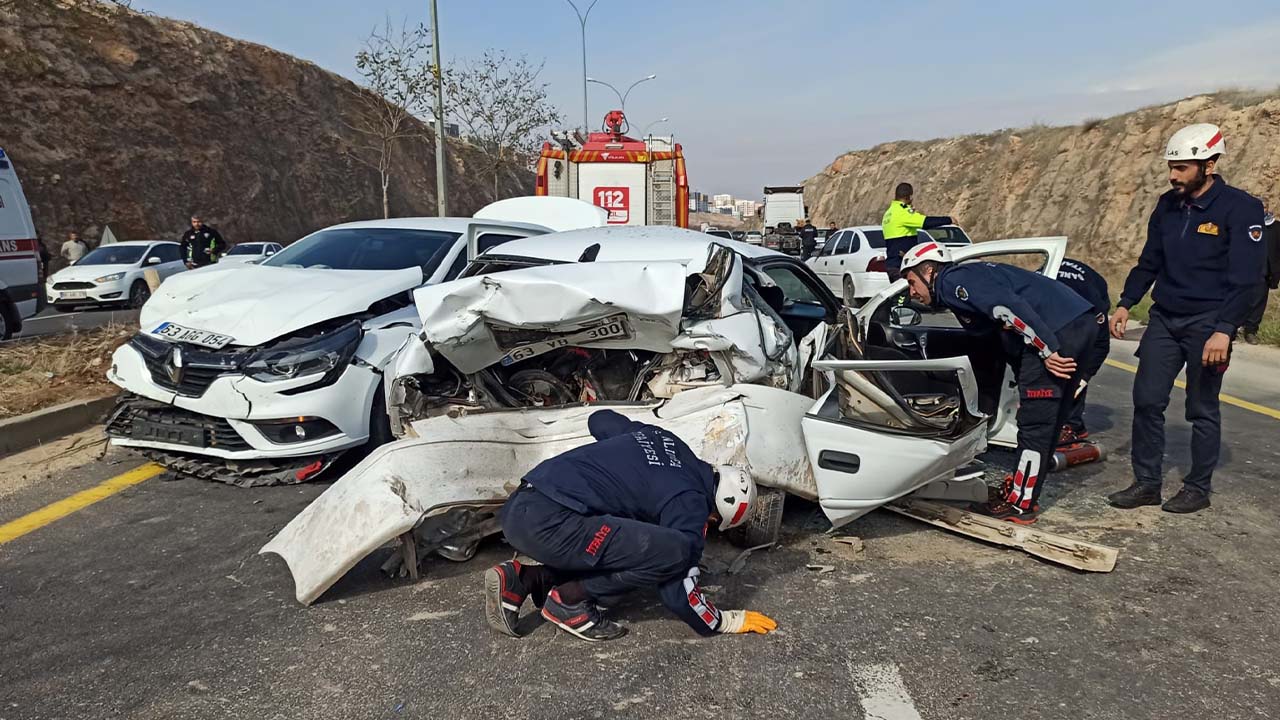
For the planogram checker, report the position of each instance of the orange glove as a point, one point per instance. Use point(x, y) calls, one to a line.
point(745, 621)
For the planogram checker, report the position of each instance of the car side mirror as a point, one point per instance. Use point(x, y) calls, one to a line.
point(270, 253)
point(902, 316)
point(153, 261)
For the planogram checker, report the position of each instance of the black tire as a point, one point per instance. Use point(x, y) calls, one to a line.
point(765, 522)
point(65, 308)
point(849, 291)
point(7, 314)
point(139, 293)
point(379, 422)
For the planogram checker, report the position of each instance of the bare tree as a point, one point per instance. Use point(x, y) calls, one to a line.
point(398, 81)
point(502, 106)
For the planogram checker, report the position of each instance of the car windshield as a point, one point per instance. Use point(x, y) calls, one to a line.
point(114, 255)
point(250, 249)
point(875, 238)
point(367, 249)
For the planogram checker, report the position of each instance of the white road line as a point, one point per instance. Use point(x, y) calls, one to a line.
point(881, 692)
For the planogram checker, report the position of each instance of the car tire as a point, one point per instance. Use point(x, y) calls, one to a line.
point(849, 290)
point(764, 523)
point(379, 422)
point(139, 293)
point(7, 313)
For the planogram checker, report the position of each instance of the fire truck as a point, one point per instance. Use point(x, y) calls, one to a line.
point(639, 182)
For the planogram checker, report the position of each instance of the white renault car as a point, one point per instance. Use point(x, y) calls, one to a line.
point(261, 374)
point(739, 350)
point(114, 274)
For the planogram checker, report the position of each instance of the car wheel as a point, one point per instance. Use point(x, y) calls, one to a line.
point(139, 293)
point(849, 290)
point(764, 523)
point(379, 421)
point(6, 327)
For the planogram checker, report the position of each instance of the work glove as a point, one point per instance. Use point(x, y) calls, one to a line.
point(745, 621)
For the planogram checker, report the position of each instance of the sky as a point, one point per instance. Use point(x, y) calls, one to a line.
point(768, 92)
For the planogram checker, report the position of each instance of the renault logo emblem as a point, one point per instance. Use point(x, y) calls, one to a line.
point(175, 366)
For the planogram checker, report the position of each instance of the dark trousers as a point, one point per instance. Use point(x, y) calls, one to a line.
point(1254, 320)
point(1044, 406)
point(1098, 355)
point(1170, 343)
point(894, 249)
point(611, 556)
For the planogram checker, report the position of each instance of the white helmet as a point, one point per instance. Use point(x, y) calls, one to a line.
point(735, 494)
point(924, 252)
point(1196, 142)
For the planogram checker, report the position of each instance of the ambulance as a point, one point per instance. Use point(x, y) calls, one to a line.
point(19, 255)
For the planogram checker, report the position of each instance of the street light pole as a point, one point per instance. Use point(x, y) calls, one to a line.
point(655, 122)
point(582, 22)
point(622, 96)
point(442, 202)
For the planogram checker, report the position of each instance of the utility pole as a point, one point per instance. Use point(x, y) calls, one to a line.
point(442, 201)
point(582, 21)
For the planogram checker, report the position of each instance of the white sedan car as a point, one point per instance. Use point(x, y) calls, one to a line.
point(737, 349)
point(114, 275)
point(251, 253)
point(852, 264)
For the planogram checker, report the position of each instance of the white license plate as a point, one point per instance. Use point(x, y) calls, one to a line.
point(74, 295)
point(203, 338)
point(611, 328)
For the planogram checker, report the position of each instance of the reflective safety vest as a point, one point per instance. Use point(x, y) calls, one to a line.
point(901, 221)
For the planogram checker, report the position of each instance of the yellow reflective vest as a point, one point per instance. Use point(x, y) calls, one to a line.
point(901, 221)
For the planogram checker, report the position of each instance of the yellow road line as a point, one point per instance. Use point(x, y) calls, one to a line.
point(1228, 399)
point(62, 508)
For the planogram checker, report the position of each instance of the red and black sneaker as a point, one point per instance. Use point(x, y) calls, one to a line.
point(503, 596)
point(581, 619)
point(1007, 511)
point(1071, 436)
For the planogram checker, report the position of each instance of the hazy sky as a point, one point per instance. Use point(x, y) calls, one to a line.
point(767, 92)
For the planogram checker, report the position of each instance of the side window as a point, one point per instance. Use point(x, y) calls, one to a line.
point(170, 253)
point(489, 240)
point(855, 242)
point(830, 247)
point(459, 263)
point(158, 253)
point(843, 249)
point(794, 287)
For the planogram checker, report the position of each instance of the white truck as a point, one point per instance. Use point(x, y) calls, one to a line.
point(783, 204)
point(19, 255)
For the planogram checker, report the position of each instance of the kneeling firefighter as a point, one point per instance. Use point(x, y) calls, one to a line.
point(1057, 329)
point(627, 512)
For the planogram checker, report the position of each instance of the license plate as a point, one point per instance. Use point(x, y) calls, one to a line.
point(203, 338)
point(165, 433)
point(74, 295)
point(613, 327)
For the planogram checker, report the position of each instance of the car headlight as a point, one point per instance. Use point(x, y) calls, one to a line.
point(109, 278)
point(327, 354)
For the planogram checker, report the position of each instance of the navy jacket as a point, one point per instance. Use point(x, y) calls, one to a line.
point(1035, 307)
point(640, 472)
point(1204, 255)
point(1087, 283)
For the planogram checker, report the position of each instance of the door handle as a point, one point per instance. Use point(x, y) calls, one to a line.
point(839, 461)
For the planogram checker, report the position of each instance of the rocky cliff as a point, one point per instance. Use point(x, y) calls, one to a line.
point(113, 116)
point(1095, 183)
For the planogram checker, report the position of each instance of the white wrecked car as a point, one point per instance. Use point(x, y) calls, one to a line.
point(739, 350)
point(260, 374)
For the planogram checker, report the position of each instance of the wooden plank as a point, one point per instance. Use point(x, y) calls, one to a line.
point(1069, 551)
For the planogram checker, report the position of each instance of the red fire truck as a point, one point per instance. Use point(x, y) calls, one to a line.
point(639, 182)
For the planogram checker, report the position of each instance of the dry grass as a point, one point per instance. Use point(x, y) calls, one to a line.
point(45, 371)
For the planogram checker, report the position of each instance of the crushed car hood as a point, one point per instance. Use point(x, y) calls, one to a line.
point(253, 304)
point(476, 322)
point(479, 458)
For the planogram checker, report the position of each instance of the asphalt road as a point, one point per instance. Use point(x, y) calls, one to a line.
point(50, 321)
point(154, 604)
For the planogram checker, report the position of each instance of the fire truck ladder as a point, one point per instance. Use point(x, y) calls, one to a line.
point(662, 209)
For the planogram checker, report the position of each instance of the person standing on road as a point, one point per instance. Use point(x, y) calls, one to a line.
point(627, 512)
point(74, 248)
point(1270, 238)
point(808, 239)
point(1057, 330)
point(1204, 253)
point(901, 225)
point(202, 244)
point(1088, 284)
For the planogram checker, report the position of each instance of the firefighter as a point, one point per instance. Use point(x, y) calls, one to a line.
point(1056, 329)
point(900, 226)
point(627, 512)
point(1088, 284)
point(808, 238)
point(1270, 238)
point(1204, 252)
point(202, 244)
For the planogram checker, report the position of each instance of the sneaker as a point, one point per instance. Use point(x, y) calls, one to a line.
point(1007, 511)
point(503, 596)
point(1070, 436)
point(1251, 338)
point(1188, 500)
point(581, 619)
point(1134, 496)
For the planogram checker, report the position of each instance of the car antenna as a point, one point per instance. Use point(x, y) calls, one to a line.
point(589, 255)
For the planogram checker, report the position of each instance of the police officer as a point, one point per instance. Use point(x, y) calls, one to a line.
point(1204, 253)
point(1056, 329)
point(900, 226)
point(1088, 284)
point(202, 244)
point(627, 512)
point(808, 239)
point(1270, 238)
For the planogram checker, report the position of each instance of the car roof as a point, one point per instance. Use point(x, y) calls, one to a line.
point(445, 224)
point(627, 242)
point(133, 243)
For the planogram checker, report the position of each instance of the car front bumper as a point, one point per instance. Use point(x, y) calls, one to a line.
point(98, 294)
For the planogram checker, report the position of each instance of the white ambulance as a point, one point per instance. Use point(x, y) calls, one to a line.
point(19, 256)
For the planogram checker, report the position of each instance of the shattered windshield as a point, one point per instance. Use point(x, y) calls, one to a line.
point(367, 249)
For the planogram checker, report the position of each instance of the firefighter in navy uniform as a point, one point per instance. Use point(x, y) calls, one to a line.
point(901, 225)
point(201, 244)
point(1056, 329)
point(1205, 255)
point(1088, 284)
point(627, 512)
